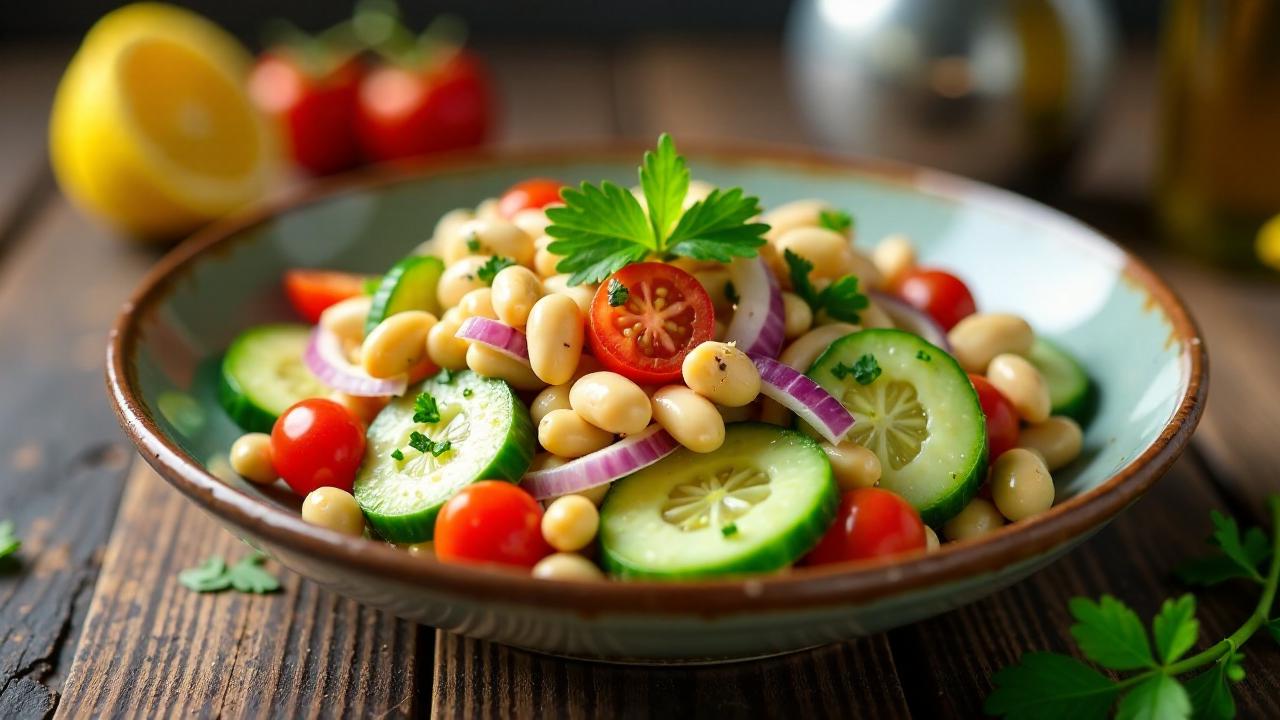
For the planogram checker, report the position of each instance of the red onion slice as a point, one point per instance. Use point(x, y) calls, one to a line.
point(757, 324)
point(910, 318)
point(326, 360)
point(499, 336)
point(603, 466)
point(801, 395)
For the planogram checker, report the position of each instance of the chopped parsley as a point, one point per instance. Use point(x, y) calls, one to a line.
point(837, 220)
point(603, 227)
point(425, 409)
point(864, 370)
point(473, 243)
point(922, 355)
point(491, 267)
point(618, 293)
point(841, 299)
point(729, 530)
point(446, 376)
point(466, 392)
point(424, 444)
point(246, 576)
point(9, 543)
point(397, 454)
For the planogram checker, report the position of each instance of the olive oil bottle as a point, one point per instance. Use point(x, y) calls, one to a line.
point(1219, 175)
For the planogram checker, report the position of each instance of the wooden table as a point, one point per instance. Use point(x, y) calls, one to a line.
point(94, 623)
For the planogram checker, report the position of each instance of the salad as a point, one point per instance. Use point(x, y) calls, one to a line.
point(662, 383)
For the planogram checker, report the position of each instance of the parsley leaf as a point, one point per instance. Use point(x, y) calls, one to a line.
point(9, 543)
point(425, 409)
point(618, 293)
point(1159, 697)
point(841, 299)
point(491, 267)
point(466, 392)
point(424, 444)
point(603, 227)
point(729, 530)
point(1110, 634)
point(837, 220)
point(922, 355)
point(1240, 556)
point(1175, 628)
point(864, 370)
point(1210, 691)
point(1048, 685)
point(397, 454)
point(1273, 627)
point(473, 242)
point(246, 576)
point(664, 178)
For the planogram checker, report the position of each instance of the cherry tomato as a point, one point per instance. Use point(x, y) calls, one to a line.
point(491, 522)
point(317, 443)
point(667, 314)
point(871, 522)
point(531, 193)
point(315, 108)
point(405, 112)
point(311, 292)
point(944, 296)
point(1002, 419)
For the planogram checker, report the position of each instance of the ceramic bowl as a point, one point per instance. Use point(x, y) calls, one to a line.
point(1130, 331)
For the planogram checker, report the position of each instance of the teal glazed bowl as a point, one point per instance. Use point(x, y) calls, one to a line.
point(1130, 331)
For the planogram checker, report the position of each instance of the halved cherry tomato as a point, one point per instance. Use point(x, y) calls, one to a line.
point(314, 106)
point(491, 522)
point(944, 296)
point(1002, 419)
point(317, 443)
point(405, 112)
point(531, 193)
point(667, 314)
point(870, 522)
point(311, 292)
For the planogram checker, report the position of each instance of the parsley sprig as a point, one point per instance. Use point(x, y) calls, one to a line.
point(1110, 635)
point(425, 408)
point(246, 576)
point(603, 227)
point(9, 542)
point(864, 370)
point(841, 299)
point(491, 267)
point(424, 444)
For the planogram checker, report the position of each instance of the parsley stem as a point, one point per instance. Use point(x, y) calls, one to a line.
point(1260, 612)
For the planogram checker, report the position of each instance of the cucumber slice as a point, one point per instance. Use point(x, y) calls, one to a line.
point(921, 417)
point(410, 285)
point(757, 504)
point(1070, 390)
point(263, 375)
point(491, 438)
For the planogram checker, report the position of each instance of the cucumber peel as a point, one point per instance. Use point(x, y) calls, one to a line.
point(263, 374)
point(409, 285)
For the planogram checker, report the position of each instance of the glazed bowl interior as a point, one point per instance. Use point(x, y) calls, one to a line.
point(1129, 331)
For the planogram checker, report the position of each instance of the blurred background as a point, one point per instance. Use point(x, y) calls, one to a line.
point(1165, 108)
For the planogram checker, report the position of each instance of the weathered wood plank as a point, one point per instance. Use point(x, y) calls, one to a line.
point(151, 647)
point(27, 83)
point(482, 679)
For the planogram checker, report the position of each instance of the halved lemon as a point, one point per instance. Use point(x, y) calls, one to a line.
point(152, 127)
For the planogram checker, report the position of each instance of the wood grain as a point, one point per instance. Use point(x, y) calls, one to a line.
point(152, 648)
point(30, 73)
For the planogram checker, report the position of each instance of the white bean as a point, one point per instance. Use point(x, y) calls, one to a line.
point(533, 221)
point(251, 458)
point(829, 251)
point(894, 257)
point(444, 346)
point(555, 336)
point(691, 419)
point(477, 303)
point(567, 434)
point(333, 508)
point(801, 353)
point(346, 319)
point(978, 338)
point(397, 344)
point(495, 236)
point(515, 290)
point(570, 523)
point(1020, 484)
point(567, 566)
point(446, 231)
point(545, 261)
point(491, 363)
point(1058, 440)
point(798, 316)
point(611, 402)
point(977, 518)
point(581, 294)
point(458, 279)
point(555, 397)
point(1021, 383)
point(722, 373)
point(716, 283)
point(792, 215)
point(853, 465)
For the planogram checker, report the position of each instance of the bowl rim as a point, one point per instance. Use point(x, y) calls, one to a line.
point(826, 586)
